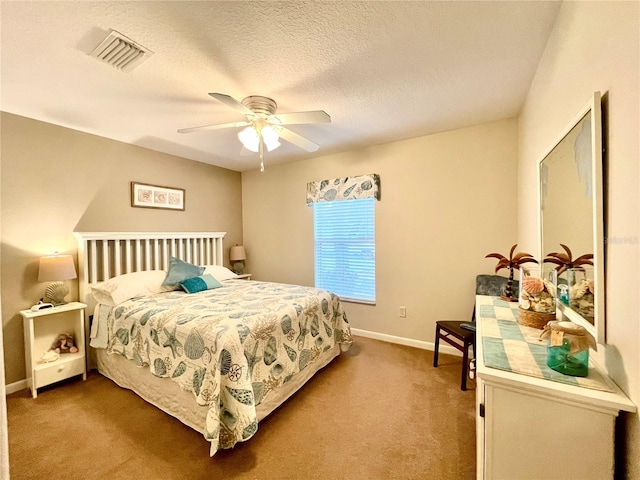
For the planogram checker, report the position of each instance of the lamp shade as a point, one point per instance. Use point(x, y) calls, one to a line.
point(56, 267)
point(237, 253)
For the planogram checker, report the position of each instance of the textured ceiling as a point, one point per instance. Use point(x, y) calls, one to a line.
point(384, 71)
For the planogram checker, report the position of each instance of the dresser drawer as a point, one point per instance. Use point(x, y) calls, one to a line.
point(59, 370)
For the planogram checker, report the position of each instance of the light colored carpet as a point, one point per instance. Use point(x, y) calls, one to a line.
point(380, 411)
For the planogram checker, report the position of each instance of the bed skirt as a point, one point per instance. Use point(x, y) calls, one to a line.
point(168, 397)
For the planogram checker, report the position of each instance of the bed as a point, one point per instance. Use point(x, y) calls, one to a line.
point(217, 352)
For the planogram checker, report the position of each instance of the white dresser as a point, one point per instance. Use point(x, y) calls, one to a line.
point(539, 424)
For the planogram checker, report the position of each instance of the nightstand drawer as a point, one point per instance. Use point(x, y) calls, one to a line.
point(60, 370)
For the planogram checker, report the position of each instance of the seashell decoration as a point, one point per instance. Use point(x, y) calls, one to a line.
point(194, 345)
point(579, 290)
point(225, 361)
point(56, 292)
point(180, 369)
point(551, 288)
point(581, 298)
point(290, 352)
point(242, 395)
point(159, 367)
point(537, 300)
point(532, 285)
point(270, 351)
point(249, 430)
point(327, 329)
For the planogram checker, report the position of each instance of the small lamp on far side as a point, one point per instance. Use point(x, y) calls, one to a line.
point(56, 269)
point(237, 256)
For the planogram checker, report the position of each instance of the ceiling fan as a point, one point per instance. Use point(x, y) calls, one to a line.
point(263, 126)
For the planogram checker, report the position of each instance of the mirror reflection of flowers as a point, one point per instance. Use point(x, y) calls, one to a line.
point(512, 263)
point(538, 294)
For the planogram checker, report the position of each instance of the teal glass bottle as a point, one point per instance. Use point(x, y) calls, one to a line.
point(568, 347)
point(562, 360)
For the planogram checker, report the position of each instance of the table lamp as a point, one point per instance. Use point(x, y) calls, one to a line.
point(56, 269)
point(237, 255)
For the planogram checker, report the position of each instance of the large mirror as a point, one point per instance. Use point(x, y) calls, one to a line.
point(571, 218)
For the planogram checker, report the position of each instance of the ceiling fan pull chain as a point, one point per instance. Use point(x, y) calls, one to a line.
point(261, 152)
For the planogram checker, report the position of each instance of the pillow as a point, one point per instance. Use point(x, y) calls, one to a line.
point(219, 272)
point(179, 271)
point(123, 287)
point(200, 284)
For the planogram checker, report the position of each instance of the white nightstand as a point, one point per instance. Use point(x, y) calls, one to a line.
point(245, 276)
point(40, 331)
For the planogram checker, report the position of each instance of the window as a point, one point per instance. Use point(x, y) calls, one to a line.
point(345, 256)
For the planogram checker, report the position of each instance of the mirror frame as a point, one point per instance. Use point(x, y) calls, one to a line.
point(594, 109)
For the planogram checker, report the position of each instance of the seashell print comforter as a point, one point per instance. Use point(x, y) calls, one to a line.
point(231, 346)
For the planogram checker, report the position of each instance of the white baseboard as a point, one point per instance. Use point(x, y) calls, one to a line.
point(22, 384)
point(16, 386)
point(410, 342)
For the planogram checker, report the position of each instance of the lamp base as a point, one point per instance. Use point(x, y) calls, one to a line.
point(238, 268)
point(56, 292)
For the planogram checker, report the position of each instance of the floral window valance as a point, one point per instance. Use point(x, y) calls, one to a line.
point(345, 188)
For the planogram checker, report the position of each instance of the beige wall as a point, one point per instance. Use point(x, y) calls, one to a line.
point(447, 200)
point(595, 46)
point(56, 181)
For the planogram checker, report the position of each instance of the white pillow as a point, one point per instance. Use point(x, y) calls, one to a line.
point(219, 272)
point(123, 287)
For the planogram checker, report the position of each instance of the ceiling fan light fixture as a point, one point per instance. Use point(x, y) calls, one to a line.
point(263, 127)
point(249, 138)
point(270, 137)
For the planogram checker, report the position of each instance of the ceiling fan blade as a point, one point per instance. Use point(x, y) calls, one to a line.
point(296, 139)
point(214, 127)
point(294, 118)
point(233, 103)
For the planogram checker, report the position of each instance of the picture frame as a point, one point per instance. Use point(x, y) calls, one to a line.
point(144, 195)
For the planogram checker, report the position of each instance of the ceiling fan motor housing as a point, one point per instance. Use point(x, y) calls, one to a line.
point(262, 106)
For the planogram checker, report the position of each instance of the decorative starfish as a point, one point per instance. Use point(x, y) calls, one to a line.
point(172, 342)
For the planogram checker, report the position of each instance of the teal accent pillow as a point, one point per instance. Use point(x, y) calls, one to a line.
point(200, 284)
point(179, 271)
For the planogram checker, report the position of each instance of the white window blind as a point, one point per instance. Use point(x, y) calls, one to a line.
point(345, 257)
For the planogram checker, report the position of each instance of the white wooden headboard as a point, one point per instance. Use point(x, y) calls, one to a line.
point(103, 255)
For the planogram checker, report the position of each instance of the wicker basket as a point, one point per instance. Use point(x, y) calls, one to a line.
point(534, 319)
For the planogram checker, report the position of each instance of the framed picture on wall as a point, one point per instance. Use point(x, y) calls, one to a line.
point(155, 196)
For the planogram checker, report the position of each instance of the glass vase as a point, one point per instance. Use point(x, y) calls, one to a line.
point(581, 288)
point(538, 289)
point(537, 296)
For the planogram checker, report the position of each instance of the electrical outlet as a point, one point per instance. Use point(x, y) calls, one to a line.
point(403, 312)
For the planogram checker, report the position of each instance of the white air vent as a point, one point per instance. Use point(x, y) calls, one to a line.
point(121, 52)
